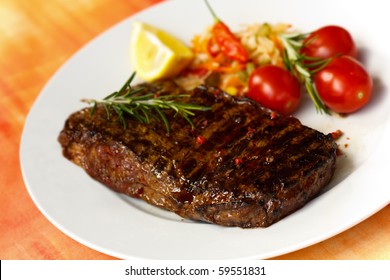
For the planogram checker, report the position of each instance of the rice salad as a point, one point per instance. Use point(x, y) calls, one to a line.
point(210, 66)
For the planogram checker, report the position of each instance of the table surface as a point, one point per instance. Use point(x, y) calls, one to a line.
point(36, 38)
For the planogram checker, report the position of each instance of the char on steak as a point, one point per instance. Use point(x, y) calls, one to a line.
point(251, 169)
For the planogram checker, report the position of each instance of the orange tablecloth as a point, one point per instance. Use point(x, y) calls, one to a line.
point(36, 38)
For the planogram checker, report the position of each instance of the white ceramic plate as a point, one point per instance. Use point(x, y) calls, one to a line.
point(126, 228)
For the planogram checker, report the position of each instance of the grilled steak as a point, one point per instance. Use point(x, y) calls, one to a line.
point(250, 169)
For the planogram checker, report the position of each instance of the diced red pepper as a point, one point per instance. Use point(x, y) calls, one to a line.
point(273, 115)
point(337, 134)
point(238, 161)
point(229, 43)
point(200, 139)
point(212, 47)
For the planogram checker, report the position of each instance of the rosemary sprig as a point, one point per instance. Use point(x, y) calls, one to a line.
point(302, 66)
point(144, 107)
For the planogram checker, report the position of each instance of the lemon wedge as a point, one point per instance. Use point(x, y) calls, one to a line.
point(156, 54)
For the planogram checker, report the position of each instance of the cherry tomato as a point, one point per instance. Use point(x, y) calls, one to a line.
point(344, 85)
point(274, 88)
point(329, 41)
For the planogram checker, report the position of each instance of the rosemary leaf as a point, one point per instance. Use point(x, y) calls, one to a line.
point(144, 106)
point(145, 113)
point(107, 110)
point(93, 108)
point(188, 120)
point(120, 115)
point(133, 92)
point(296, 63)
point(114, 94)
point(127, 84)
point(163, 118)
point(319, 105)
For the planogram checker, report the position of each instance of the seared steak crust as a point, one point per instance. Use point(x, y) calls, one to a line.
point(252, 169)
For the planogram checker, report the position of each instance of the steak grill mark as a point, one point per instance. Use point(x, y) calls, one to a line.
point(251, 171)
